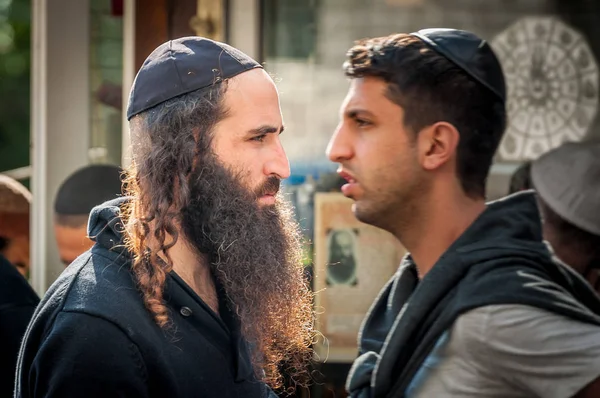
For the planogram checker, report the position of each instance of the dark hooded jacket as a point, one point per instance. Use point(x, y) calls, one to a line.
point(91, 336)
point(500, 259)
point(17, 303)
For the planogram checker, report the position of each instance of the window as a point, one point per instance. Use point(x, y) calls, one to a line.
point(106, 73)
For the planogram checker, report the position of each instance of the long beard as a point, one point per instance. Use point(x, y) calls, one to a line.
point(255, 255)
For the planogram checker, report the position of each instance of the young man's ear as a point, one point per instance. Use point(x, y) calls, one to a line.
point(437, 144)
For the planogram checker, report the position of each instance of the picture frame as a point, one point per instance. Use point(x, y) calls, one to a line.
point(352, 263)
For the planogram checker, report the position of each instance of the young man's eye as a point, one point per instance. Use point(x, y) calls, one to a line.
point(362, 122)
point(259, 138)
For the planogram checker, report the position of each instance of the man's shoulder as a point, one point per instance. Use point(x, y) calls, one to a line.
point(533, 349)
point(94, 284)
point(515, 335)
point(97, 281)
point(93, 306)
point(511, 351)
point(522, 325)
point(96, 352)
point(529, 277)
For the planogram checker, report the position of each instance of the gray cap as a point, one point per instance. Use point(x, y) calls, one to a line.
point(567, 179)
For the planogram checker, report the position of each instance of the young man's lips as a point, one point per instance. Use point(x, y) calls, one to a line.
point(350, 186)
point(346, 176)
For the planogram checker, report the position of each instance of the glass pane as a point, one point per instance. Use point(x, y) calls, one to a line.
point(291, 28)
point(106, 71)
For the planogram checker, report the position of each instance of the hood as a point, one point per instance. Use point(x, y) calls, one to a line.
point(511, 223)
point(105, 226)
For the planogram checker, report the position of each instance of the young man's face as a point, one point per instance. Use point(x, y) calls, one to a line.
point(14, 237)
point(376, 152)
point(247, 140)
point(71, 242)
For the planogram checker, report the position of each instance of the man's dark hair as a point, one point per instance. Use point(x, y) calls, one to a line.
point(430, 88)
point(83, 190)
point(521, 179)
point(164, 142)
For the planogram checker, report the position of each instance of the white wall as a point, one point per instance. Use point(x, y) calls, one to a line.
point(60, 118)
point(243, 27)
point(129, 73)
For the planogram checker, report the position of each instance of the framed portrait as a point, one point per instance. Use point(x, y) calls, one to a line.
point(352, 263)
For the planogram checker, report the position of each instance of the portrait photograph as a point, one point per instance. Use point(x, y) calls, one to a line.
point(352, 262)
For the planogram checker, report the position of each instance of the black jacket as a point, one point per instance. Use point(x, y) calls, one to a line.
point(17, 303)
point(500, 259)
point(91, 336)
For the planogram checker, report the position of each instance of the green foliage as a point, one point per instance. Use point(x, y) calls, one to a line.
point(15, 67)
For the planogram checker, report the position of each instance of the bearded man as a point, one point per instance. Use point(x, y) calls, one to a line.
point(194, 286)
